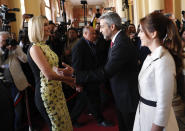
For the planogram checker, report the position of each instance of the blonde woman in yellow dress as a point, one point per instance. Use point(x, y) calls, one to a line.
point(49, 97)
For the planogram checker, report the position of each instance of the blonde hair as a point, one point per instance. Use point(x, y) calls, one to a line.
point(36, 28)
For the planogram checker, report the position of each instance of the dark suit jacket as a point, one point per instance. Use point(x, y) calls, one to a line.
point(102, 48)
point(122, 71)
point(83, 59)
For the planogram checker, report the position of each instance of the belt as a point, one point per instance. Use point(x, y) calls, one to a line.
point(148, 102)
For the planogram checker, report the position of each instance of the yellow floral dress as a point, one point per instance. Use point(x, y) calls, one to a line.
point(52, 95)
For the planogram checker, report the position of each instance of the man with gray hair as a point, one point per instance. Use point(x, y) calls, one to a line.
point(121, 69)
point(11, 54)
point(10, 57)
point(84, 57)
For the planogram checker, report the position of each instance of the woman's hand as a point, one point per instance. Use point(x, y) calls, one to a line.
point(156, 128)
point(68, 70)
point(66, 76)
point(57, 71)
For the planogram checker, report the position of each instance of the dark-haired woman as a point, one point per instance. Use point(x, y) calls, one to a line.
point(157, 78)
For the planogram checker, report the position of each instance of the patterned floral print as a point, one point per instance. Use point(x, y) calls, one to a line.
point(53, 97)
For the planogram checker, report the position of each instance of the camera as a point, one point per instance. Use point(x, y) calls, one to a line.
point(83, 2)
point(183, 12)
point(26, 16)
point(5, 16)
point(11, 42)
point(108, 8)
point(61, 32)
point(183, 20)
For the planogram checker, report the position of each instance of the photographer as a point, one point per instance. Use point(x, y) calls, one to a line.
point(24, 40)
point(10, 55)
point(135, 40)
point(23, 33)
point(133, 34)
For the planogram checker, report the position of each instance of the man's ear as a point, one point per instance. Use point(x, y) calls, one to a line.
point(85, 34)
point(113, 27)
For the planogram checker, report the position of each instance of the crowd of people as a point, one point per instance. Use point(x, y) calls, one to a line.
point(143, 69)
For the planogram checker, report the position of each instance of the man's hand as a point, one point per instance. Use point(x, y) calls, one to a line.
point(79, 88)
point(69, 81)
point(10, 47)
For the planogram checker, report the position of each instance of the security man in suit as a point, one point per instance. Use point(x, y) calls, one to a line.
point(84, 57)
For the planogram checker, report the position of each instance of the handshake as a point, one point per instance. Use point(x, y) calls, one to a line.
point(67, 76)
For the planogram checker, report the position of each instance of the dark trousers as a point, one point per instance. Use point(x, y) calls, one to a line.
point(7, 108)
point(19, 109)
point(75, 103)
point(87, 98)
point(79, 104)
point(94, 102)
point(125, 121)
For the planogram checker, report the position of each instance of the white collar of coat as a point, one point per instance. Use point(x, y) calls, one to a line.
point(157, 53)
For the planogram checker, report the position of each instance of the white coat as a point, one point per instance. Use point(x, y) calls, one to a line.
point(157, 83)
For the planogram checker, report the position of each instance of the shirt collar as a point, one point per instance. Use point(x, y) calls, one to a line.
point(113, 39)
point(89, 42)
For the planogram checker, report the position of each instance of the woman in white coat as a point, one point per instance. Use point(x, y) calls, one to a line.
point(157, 78)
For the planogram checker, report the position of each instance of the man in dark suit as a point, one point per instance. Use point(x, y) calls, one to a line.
point(121, 69)
point(84, 58)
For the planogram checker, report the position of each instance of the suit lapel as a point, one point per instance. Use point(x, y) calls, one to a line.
point(88, 47)
point(109, 53)
point(93, 54)
point(117, 40)
point(116, 43)
point(146, 64)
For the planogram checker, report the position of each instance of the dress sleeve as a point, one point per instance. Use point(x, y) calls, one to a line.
point(165, 83)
